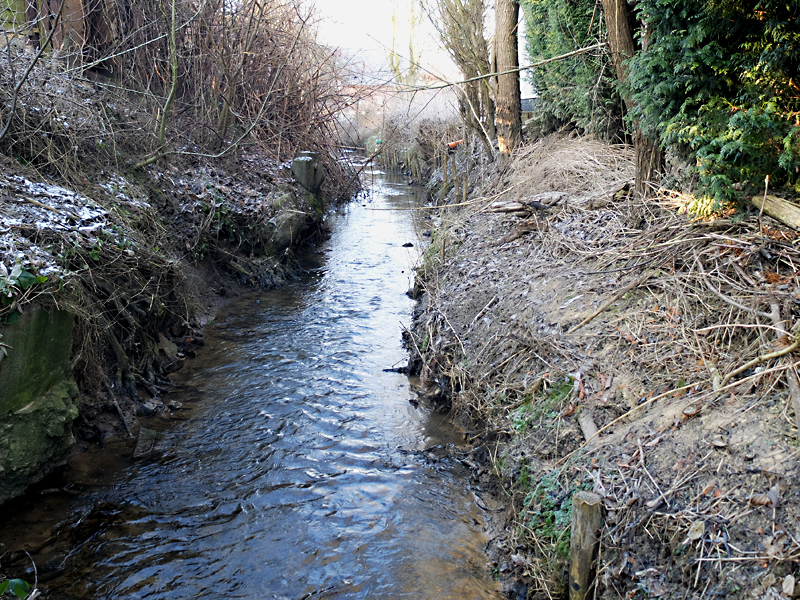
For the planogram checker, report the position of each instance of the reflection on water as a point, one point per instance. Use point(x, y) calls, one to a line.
point(293, 473)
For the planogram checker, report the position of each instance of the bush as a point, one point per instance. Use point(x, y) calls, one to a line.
point(717, 83)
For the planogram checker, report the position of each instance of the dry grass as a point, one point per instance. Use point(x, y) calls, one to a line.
point(667, 333)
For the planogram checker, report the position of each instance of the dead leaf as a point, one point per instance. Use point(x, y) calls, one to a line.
point(788, 586)
point(774, 495)
point(782, 342)
point(696, 531)
point(719, 442)
point(709, 487)
point(569, 410)
point(692, 410)
point(759, 500)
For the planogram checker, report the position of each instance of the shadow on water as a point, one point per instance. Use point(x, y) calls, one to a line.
point(294, 469)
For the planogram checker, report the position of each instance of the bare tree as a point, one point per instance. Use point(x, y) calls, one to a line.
point(460, 25)
point(405, 69)
point(509, 104)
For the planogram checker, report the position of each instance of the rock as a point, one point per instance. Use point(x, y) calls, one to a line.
point(174, 405)
point(149, 407)
point(168, 347)
point(145, 443)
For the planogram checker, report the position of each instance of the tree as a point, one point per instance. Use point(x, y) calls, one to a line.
point(580, 91)
point(460, 25)
point(649, 158)
point(405, 70)
point(509, 109)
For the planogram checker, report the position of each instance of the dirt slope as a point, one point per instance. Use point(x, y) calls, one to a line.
point(553, 305)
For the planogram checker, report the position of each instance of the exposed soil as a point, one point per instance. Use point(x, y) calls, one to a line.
point(555, 304)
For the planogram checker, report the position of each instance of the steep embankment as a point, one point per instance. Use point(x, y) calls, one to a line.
point(108, 270)
point(554, 305)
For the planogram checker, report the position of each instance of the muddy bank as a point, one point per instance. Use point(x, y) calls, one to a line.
point(554, 305)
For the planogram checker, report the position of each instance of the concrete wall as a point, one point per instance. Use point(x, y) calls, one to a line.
point(37, 399)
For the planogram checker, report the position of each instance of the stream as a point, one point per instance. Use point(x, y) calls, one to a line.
point(296, 467)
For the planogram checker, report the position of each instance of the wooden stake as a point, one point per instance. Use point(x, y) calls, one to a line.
point(587, 518)
point(444, 185)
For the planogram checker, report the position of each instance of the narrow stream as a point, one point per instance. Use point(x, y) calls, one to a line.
point(294, 469)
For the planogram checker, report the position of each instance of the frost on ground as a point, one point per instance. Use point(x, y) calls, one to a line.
point(553, 306)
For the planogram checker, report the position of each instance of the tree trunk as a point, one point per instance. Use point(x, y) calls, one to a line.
point(649, 158)
point(509, 117)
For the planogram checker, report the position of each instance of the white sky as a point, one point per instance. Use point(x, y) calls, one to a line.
point(367, 25)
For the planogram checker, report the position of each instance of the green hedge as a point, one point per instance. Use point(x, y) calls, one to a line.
point(719, 82)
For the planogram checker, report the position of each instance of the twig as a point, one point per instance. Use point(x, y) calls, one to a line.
point(723, 297)
point(613, 299)
point(758, 360)
point(110, 393)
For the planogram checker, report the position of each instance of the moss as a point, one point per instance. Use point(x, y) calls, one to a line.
point(38, 359)
point(37, 399)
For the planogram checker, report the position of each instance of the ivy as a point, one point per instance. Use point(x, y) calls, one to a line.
point(14, 588)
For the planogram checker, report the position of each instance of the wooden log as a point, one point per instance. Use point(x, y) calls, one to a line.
point(784, 211)
point(587, 518)
point(588, 426)
point(507, 207)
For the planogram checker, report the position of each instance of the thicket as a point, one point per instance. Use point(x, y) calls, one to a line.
point(176, 79)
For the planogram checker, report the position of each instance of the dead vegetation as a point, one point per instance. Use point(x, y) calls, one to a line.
point(613, 344)
point(146, 153)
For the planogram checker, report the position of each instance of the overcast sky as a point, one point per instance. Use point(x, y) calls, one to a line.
point(367, 25)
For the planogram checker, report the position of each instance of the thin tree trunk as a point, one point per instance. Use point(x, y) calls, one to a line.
point(649, 158)
point(509, 117)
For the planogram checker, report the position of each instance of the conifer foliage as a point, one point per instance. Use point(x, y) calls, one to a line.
point(718, 81)
point(578, 91)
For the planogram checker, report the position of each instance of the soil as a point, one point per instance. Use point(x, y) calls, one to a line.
point(553, 304)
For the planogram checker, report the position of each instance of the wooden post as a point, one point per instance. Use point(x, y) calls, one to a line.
point(587, 518)
point(444, 185)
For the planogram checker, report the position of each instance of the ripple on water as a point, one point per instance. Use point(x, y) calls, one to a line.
point(290, 474)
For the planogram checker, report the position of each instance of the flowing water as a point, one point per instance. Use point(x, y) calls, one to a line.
point(295, 469)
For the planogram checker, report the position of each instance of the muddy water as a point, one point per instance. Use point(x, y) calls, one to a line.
point(294, 469)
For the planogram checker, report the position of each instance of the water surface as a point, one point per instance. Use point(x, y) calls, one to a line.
point(295, 469)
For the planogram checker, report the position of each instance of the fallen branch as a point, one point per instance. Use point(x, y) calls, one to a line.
point(784, 211)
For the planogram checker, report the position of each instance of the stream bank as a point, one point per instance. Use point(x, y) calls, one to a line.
point(131, 266)
point(554, 304)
